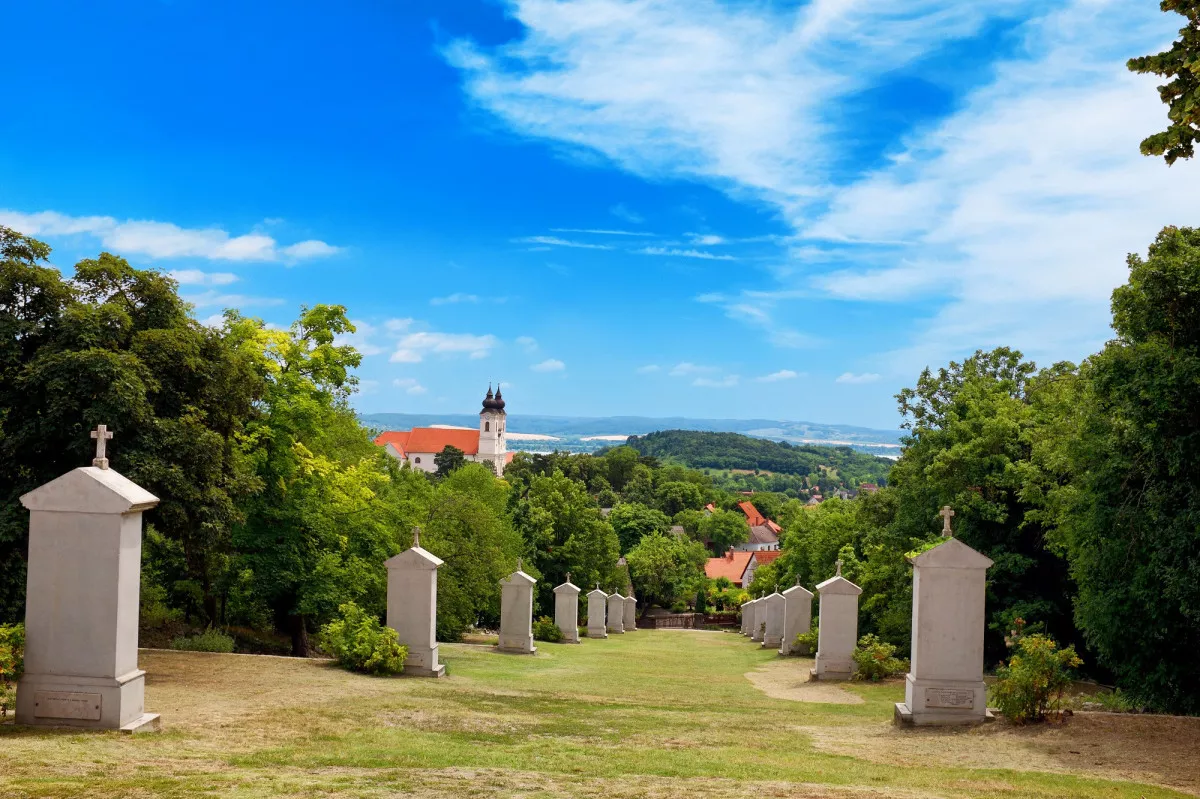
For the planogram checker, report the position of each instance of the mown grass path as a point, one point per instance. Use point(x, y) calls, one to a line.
point(652, 713)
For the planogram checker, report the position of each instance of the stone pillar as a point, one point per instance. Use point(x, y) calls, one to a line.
point(81, 604)
point(756, 620)
point(566, 611)
point(516, 613)
point(745, 628)
point(616, 613)
point(597, 604)
point(630, 618)
point(945, 685)
point(797, 616)
point(838, 635)
point(412, 607)
point(773, 616)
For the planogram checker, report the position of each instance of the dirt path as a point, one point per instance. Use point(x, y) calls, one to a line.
point(787, 678)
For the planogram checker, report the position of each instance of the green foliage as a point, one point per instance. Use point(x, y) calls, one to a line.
point(1031, 684)
point(208, 641)
point(450, 459)
point(544, 629)
point(358, 642)
point(12, 663)
point(632, 521)
point(1181, 94)
point(875, 659)
point(723, 529)
point(666, 570)
point(806, 643)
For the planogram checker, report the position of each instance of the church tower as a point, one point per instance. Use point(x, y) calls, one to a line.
point(492, 419)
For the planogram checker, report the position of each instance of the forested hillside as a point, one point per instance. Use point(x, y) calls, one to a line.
point(727, 451)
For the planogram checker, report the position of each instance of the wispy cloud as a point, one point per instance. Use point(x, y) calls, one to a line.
point(362, 339)
point(554, 241)
point(600, 232)
point(216, 299)
point(454, 299)
point(527, 343)
point(415, 347)
point(621, 212)
point(775, 377)
point(728, 381)
point(409, 385)
point(706, 239)
point(648, 369)
point(549, 365)
point(196, 277)
point(164, 239)
point(674, 252)
point(687, 368)
point(853, 379)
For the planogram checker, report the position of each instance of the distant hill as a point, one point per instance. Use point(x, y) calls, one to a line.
point(704, 450)
point(584, 434)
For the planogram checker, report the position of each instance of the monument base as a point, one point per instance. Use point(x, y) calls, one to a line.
point(97, 703)
point(423, 662)
point(832, 668)
point(772, 641)
point(517, 645)
point(611, 631)
point(937, 703)
point(424, 671)
point(594, 633)
point(147, 722)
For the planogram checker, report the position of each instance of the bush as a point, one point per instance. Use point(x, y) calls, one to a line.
point(358, 642)
point(12, 663)
point(1031, 684)
point(544, 629)
point(208, 641)
point(875, 659)
point(806, 643)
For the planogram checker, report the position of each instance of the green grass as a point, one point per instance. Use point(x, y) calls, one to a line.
point(653, 713)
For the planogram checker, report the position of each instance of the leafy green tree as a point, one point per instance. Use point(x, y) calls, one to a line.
point(450, 459)
point(677, 495)
point(1128, 514)
point(632, 521)
point(619, 464)
point(665, 570)
point(690, 521)
point(724, 529)
point(1181, 94)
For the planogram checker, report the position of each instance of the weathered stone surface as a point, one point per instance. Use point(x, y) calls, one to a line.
point(797, 616)
point(616, 614)
point(412, 608)
point(566, 611)
point(597, 611)
point(516, 614)
point(838, 634)
point(630, 619)
point(773, 620)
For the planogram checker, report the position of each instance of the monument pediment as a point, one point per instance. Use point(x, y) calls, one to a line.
point(90, 489)
point(519, 578)
point(414, 558)
point(797, 591)
point(566, 588)
point(952, 554)
point(838, 585)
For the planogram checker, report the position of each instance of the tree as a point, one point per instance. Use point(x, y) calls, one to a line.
point(1181, 94)
point(632, 521)
point(665, 570)
point(677, 495)
point(620, 463)
point(724, 529)
point(450, 459)
point(1127, 514)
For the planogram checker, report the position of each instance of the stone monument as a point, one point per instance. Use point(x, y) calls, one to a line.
point(797, 616)
point(516, 613)
point(745, 628)
point(757, 617)
point(597, 604)
point(566, 610)
point(945, 685)
point(412, 607)
point(83, 581)
point(616, 613)
point(773, 617)
point(838, 633)
point(630, 618)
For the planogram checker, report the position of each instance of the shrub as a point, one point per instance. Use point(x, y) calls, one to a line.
point(806, 643)
point(12, 663)
point(1031, 684)
point(544, 629)
point(208, 641)
point(358, 642)
point(875, 659)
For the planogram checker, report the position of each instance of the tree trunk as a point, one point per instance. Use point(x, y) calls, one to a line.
point(299, 636)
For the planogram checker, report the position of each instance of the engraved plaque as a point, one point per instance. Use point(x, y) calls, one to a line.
point(949, 697)
point(66, 705)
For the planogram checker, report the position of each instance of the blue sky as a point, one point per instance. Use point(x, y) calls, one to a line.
point(653, 207)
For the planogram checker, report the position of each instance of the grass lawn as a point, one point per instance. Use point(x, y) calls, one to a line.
point(649, 714)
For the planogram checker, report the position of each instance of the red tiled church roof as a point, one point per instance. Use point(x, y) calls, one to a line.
point(431, 439)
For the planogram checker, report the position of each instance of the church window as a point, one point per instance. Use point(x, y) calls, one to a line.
point(418, 460)
point(487, 426)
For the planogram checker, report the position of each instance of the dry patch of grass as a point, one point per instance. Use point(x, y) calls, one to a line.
point(789, 679)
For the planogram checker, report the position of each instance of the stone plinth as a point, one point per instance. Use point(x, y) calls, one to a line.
point(838, 634)
point(945, 685)
point(596, 609)
point(81, 603)
point(630, 618)
point(516, 614)
point(616, 614)
point(797, 617)
point(566, 611)
point(412, 609)
point(745, 628)
point(773, 618)
point(757, 617)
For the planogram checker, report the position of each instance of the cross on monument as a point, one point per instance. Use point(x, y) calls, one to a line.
point(946, 513)
point(101, 434)
point(416, 537)
point(839, 568)
point(568, 577)
point(520, 564)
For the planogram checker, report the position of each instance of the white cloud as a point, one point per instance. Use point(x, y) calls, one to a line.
point(621, 212)
point(849, 377)
point(674, 252)
point(687, 368)
point(398, 325)
point(216, 299)
point(706, 239)
point(414, 347)
point(409, 385)
point(728, 381)
point(164, 239)
point(600, 231)
point(648, 369)
point(527, 343)
point(455, 299)
point(195, 277)
point(362, 339)
point(549, 365)
point(775, 377)
point(557, 242)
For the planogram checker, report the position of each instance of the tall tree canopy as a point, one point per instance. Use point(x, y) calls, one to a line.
point(1181, 93)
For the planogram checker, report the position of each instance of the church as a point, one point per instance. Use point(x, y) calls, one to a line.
point(418, 446)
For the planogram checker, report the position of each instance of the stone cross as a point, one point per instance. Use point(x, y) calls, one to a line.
point(568, 577)
point(101, 434)
point(520, 564)
point(839, 569)
point(946, 513)
point(416, 536)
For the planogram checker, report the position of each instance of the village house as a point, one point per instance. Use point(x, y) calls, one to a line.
point(419, 446)
point(764, 533)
